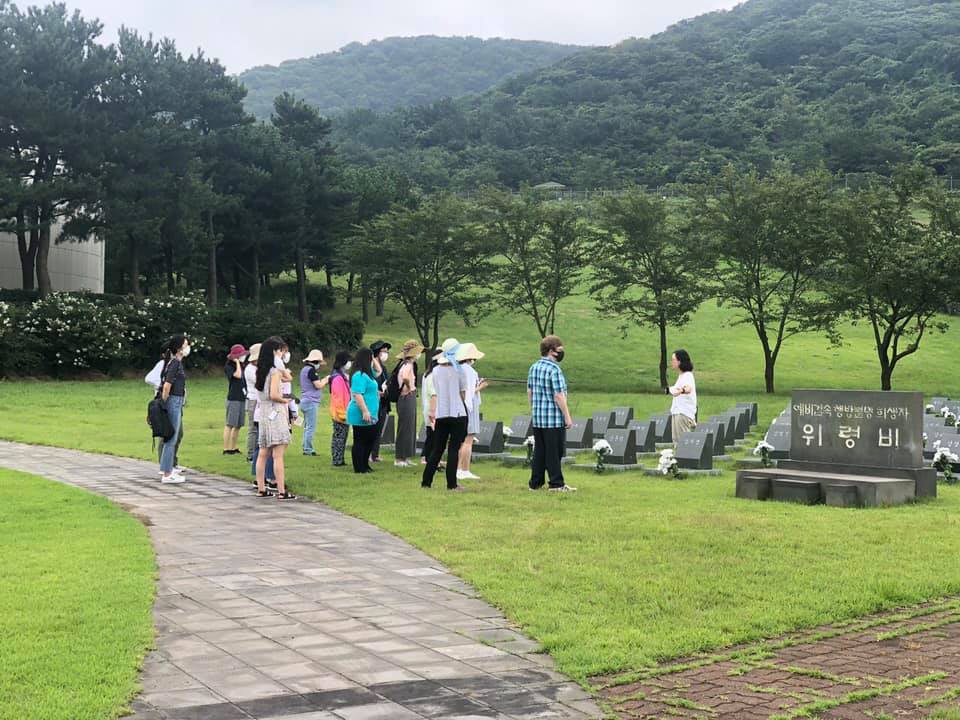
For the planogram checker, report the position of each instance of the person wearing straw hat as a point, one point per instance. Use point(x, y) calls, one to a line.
point(406, 389)
point(311, 389)
point(250, 378)
point(448, 415)
point(236, 398)
point(467, 355)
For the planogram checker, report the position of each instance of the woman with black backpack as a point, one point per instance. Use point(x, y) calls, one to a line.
point(403, 386)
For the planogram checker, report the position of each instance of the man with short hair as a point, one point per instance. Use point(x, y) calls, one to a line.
point(550, 415)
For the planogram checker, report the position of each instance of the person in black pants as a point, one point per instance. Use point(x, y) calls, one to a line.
point(381, 357)
point(550, 415)
point(448, 415)
point(362, 410)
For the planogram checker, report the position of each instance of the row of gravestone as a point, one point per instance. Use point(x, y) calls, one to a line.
point(778, 436)
point(936, 432)
point(628, 437)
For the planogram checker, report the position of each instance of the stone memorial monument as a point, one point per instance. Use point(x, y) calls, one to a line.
point(602, 421)
point(389, 434)
point(779, 436)
point(421, 436)
point(742, 415)
point(718, 430)
point(695, 450)
point(522, 429)
point(624, 445)
point(580, 436)
point(848, 448)
point(754, 411)
point(644, 435)
point(490, 438)
point(730, 420)
point(621, 417)
point(663, 427)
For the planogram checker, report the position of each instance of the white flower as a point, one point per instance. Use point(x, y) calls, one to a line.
point(929, 408)
point(667, 463)
point(761, 446)
point(507, 430)
point(668, 453)
point(602, 446)
point(944, 455)
point(529, 442)
point(944, 411)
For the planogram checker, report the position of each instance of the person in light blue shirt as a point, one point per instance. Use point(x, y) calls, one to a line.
point(363, 410)
point(550, 416)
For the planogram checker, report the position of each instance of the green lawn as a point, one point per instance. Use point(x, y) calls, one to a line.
point(629, 571)
point(75, 602)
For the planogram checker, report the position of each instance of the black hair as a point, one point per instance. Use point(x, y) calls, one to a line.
point(363, 362)
point(434, 361)
point(683, 359)
point(172, 346)
point(341, 359)
point(267, 349)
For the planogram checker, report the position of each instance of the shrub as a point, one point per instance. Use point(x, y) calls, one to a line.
point(148, 324)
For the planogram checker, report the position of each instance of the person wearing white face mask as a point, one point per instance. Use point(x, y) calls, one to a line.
point(339, 385)
point(404, 386)
point(172, 392)
point(381, 357)
point(274, 431)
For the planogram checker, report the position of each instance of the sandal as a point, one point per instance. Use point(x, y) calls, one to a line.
point(286, 496)
point(265, 493)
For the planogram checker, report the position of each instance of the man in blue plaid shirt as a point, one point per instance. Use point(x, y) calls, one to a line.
point(550, 415)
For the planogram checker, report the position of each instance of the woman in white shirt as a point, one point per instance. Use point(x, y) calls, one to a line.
point(683, 411)
point(250, 377)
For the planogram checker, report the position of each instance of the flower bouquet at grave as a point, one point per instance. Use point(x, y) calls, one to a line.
point(763, 449)
point(602, 449)
point(929, 409)
point(949, 417)
point(528, 444)
point(943, 460)
point(667, 465)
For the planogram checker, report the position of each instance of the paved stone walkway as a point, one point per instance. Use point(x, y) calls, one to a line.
point(903, 664)
point(268, 609)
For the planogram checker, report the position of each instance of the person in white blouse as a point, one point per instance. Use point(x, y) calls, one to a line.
point(683, 411)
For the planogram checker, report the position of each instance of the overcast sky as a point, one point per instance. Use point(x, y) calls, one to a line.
point(244, 33)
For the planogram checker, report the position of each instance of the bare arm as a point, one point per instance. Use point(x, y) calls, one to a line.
point(275, 394)
point(561, 400)
point(358, 399)
point(321, 383)
point(165, 393)
point(237, 370)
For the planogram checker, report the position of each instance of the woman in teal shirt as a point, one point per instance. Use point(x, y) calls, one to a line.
point(363, 409)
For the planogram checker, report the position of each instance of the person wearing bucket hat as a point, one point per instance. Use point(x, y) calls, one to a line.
point(250, 378)
point(467, 355)
point(403, 385)
point(311, 390)
point(236, 398)
point(447, 414)
point(381, 357)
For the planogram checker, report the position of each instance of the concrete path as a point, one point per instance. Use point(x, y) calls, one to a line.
point(291, 610)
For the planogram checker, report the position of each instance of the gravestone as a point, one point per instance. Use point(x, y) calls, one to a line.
point(933, 437)
point(719, 436)
point(644, 435)
point(602, 421)
point(580, 435)
point(421, 436)
point(951, 443)
point(779, 436)
point(871, 441)
point(754, 410)
point(389, 434)
point(742, 415)
point(489, 439)
point(695, 450)
point(624, 445)
point(663, 427)
point(621, 417)
point(731, 422)
point(522, 429)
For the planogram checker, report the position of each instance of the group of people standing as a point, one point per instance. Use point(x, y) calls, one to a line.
point(362, 389)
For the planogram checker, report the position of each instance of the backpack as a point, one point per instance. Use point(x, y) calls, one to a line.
point(158, 420)
point(393, 384)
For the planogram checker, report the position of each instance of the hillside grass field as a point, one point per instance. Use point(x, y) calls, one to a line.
point(631, 570)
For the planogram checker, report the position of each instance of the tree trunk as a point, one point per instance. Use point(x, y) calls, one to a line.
point(301, 286)
point(256, 275)
point(168, 266)
point(27, 250)
point(212, 275)
point(886, 369)
point(43, 254)
point(350, 288)
point(662, 325)
point(237, 284)
point(381, 300)
point(364, 301)
point(329, 277)
point(135, 288)
point(768, 366)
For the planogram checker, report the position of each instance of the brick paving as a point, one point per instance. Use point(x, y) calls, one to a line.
point(269, 609)
point(903, 664)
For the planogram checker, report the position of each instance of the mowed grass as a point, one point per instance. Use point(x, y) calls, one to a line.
point(75, 598)
point(628, 572)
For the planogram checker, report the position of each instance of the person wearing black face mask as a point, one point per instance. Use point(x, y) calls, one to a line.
point(550, 415)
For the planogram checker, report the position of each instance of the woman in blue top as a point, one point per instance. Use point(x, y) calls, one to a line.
point(363, 410)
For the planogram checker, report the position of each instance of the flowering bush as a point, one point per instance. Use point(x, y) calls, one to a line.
point(148, 323)
point(602, 449)
point(75, 333)
point(667, 465)
point(6, 319)
point(943, 460)
point(763, 449)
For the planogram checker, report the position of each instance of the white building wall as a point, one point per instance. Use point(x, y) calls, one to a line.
point(73, 265)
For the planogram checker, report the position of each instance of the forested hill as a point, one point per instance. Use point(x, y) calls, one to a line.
point(390, 73)
point(856, 84)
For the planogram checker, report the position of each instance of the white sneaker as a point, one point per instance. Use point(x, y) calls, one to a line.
point(466, 475)
point(564, 489)
point(401, 463)
point(180, 469)
point(172, 479)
